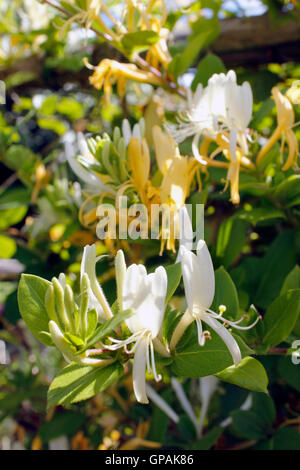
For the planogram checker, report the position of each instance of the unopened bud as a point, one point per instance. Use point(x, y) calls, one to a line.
point(120, 265)
point(50, 303)
point(61, 343)
point(84, 304)
point(60, 304)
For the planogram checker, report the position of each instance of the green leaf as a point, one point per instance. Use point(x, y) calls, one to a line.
point(6, 288)
point(209, 65)
point(274, 266)
point(261, 215)
point(281, 317)
point(286, 439)
point(192, 360)
point(249, 425)
point(139, 41)
point(249, 374)
point(225, 294)
point(106, 328)
point(31, 300)
point(230, 241)
point(13, 203)
point(205, 32)
point(8, 247)
point(75, 383)
point(288, 189)
point(209, 439)
point(65, 423)
point(288, 371)
point(174, 275)
point(292, 281)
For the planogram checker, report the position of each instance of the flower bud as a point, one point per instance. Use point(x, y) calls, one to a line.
point(50, 304)
point(61, 343)
point(60, 304)
point(120, 275)
point(84, 294)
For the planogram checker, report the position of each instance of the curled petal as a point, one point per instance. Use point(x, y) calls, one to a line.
point(226, 337)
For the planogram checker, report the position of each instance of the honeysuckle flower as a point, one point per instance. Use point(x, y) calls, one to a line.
point(178, 172)
point(97, 298)
point(286, 120)
point(207, 387)
point(238, 104)
point(110, 72)
point(221, 106)
point(145, 294)
point(138, 130)
point(92, 14)
point(199, 284)
point(139, 165)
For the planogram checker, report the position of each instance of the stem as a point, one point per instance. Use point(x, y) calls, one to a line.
point(278, 351)
point(172, 87)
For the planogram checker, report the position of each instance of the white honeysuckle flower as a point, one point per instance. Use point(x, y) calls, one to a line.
point(186, 234)
point(97, 298)
point(199, 284)
point(162, 404)
point(145, 294)
point(221, 106)
point(207, 387)
point(239, 105)
point(137, 131)
point(183, 400)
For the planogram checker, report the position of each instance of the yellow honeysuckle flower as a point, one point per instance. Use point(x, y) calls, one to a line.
point(293, 93)
point(109, 72)
point(285, 121)
point(166, 149)
point(178, 173)
point(174, 187)
point(159, 53)
point(139, 165)
point(236, 159)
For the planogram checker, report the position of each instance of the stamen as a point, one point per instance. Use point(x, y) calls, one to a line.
point(234, 324)
point(206, 334)
point(222, 309)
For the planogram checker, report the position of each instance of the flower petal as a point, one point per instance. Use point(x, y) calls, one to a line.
point(139, 370)
point(226, 337)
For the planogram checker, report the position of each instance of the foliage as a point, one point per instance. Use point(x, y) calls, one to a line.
point(53, 180)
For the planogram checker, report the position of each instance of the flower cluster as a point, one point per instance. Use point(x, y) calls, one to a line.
point(144, 296)
point(122, 166)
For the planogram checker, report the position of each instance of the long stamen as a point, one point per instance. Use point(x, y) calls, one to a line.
point(234, 323)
